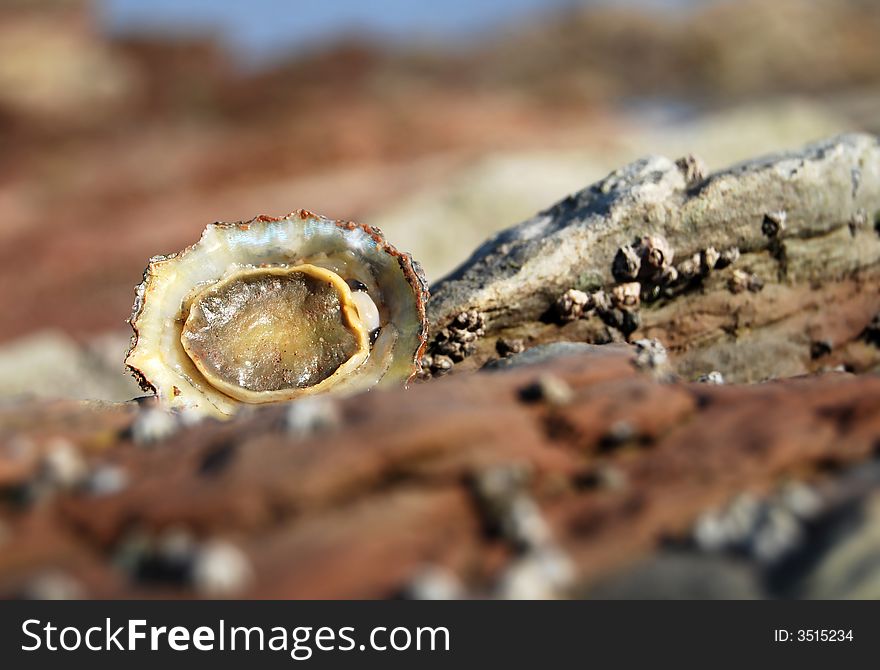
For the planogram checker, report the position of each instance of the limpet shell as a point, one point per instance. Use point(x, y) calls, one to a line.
point(274, 309)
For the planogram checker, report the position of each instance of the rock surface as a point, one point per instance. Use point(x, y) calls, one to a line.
point(499, 491)
point(52, 365)
point(581, 462)
point(771, 267)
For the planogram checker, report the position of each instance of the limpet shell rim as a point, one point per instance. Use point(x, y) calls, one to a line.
point(411, 268)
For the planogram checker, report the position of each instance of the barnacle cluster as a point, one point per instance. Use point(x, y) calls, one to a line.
point(643, 272)
point(454, 343)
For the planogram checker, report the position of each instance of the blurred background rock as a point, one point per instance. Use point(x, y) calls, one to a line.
point(127, 125)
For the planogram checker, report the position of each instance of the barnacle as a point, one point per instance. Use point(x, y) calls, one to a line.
point(274, 309)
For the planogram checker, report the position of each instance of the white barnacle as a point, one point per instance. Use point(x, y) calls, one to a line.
point(626, 296)
point(312, 415)
point(153, 424)
point(220, 569)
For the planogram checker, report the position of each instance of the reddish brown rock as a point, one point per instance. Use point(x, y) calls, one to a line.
point(356, 511)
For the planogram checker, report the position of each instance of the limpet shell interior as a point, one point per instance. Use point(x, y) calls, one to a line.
point(276, 308)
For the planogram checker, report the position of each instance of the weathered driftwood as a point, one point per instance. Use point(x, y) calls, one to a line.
point(798, 282)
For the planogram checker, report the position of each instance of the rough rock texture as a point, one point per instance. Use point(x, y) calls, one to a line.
point(565, 468)
point(776, 267)
point(544, 479)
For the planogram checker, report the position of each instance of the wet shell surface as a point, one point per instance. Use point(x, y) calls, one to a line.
point(274, 309)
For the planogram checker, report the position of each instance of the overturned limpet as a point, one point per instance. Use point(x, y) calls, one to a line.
point(274, 309)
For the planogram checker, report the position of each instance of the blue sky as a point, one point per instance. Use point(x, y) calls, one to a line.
point(260, 29)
